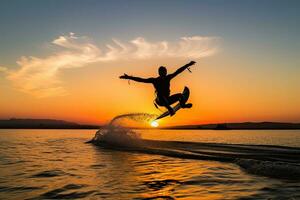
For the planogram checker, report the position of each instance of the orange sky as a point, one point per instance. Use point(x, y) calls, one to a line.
point(63, 62)
point(219, 93)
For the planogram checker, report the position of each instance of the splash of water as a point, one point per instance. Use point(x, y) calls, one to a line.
point(138, 117)
point(115, 134)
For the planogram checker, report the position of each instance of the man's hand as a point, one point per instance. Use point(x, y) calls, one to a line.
point(125, 76)
point(191, 63)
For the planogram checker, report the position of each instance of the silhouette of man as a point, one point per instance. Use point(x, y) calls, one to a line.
point(162, 87)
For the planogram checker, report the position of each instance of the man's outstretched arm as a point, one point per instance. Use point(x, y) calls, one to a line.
point(137, 79)
point(181, 69)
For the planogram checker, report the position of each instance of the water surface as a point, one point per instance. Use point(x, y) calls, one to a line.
point(58, 164)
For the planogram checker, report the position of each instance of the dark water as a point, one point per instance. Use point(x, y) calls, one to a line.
point(58, 164)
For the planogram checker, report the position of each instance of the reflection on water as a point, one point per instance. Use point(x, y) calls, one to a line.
point(259, 137)
point(57, 164)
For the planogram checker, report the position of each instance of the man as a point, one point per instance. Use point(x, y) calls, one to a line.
point(162, 87)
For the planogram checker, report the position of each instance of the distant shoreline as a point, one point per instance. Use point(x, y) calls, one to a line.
point(61, 124)
point(71, 128)
point(43, 124)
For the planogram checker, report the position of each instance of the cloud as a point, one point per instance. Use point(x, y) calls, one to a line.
point(40, 76)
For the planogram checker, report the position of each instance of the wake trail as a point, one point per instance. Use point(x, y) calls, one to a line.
point(266, 160)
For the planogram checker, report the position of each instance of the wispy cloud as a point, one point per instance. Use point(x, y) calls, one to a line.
point(39, 76)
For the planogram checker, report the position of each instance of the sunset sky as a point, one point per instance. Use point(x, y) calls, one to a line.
point(61, 59)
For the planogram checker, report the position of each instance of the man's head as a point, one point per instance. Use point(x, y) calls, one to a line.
point(162, 71)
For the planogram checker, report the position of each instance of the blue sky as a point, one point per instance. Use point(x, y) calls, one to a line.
point(26, 25)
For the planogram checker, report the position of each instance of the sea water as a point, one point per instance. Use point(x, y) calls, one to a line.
point(59, 164)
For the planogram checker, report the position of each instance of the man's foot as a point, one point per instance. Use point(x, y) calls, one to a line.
point(188, 105)
point(171, 111)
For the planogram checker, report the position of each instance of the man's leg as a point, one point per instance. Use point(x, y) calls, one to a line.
point(179, 97)
point(170, 109)
point(163, 101)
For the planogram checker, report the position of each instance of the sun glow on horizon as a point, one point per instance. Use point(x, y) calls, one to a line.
point(154, 124)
